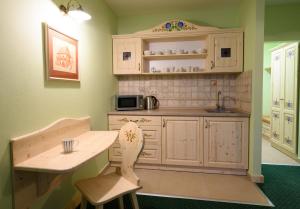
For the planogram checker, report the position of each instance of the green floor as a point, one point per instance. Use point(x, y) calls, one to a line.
point(282, 186)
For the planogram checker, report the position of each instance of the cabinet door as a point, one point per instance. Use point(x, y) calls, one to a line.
point(226, 142)
point(127, 56)
point(290, 78)
point(275, 126)
point(289, 136)
point(182, 141)
point(277, 69)
point(226, 52)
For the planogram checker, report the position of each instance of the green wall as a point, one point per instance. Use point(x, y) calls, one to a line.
point(29, 102)
point(218, 15)
point(252, 20)
point(282, 22)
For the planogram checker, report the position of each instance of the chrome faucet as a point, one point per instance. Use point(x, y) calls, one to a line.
point(218, 100)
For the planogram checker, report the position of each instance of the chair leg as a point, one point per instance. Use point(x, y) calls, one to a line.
point(121, 203)
point(134, 200)
point(99, 207)
point(83, 203)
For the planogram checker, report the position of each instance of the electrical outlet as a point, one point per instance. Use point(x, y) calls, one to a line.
point(213, 83)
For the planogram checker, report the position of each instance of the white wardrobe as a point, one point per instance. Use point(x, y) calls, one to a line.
point(284, 90)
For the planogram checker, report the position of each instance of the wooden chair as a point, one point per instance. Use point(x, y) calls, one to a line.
point(104, 188)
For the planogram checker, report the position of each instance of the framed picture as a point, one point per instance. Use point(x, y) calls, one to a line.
point(62, 55)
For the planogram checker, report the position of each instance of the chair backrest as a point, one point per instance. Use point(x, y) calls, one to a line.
point(131, 141)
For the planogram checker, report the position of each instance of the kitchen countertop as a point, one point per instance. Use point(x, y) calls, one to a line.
point(182, 112)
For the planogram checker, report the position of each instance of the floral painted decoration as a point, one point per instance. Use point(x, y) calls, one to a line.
point(131, 136)
point(175, 25)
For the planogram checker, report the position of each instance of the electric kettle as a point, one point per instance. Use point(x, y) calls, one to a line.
point(151, 102)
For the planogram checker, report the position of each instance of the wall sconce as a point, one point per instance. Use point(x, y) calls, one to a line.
point(75, 10)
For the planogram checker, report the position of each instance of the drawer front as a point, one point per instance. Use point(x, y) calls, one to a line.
point(149, 154)
point(140, 120)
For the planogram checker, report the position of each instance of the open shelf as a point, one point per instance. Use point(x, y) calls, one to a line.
point(175, 56)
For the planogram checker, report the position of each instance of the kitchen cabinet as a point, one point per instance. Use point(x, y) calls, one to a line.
point(284, 80)
point(188, 49)
point(127, 56)
point(151, 126)
point(226, 142)
point(226, 52)
point(182, 141)
point(187, 143)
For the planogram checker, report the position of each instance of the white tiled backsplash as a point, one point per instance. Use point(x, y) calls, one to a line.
point(190, 91)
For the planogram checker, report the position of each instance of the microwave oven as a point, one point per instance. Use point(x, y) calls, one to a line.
point(129, 102)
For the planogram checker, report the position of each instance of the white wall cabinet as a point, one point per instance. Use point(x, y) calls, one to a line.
point(182, 142)
point(226, 142)
point(284, 80)
point(226, 52)
point(127, 56)
point(191, 49)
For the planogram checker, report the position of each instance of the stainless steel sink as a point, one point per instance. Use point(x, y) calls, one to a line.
point(221, 110)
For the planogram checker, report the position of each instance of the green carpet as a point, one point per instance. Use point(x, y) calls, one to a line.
point(282, 186)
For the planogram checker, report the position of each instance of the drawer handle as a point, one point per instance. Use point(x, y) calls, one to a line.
point(275, 134)
point(124, 120)
point(144, 120)
point(135, 121)
point(145, 154)
point(147, 135)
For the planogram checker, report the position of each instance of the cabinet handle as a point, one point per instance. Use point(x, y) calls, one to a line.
point(275, 115)
point(212, 65)
point(135, 121)
point(207, 124)
point(143, 120)
point(164, 123)
point(145, 154)
point(124, 120)
point(139, 66)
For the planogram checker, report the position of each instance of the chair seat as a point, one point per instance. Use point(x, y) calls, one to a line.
point(103, 188)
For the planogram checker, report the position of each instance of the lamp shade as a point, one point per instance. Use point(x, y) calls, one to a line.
point(79, 14)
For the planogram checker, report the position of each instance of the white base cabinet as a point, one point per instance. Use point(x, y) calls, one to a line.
point(182, 142)
point(212, 144)
point(226, 142)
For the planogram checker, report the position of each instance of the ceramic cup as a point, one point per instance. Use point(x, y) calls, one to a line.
point(167, 51)
point(179, 51)
point(69, 144)
point(147, 52)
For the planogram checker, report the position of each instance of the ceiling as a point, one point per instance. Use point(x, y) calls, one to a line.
point(137, 7)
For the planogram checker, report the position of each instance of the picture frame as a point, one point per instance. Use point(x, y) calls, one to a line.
point(61, 55)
